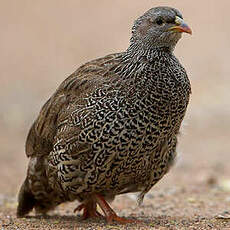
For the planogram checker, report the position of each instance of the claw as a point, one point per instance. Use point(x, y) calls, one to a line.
point(110, 215)
point(89, 210)
point(121, 220)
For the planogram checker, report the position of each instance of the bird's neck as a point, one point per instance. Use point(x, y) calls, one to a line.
point(136, 62)
point(136, 52)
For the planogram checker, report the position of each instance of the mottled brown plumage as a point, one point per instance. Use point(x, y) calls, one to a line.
point(111, 127)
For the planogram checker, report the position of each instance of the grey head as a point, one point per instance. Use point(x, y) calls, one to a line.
point(158, 27)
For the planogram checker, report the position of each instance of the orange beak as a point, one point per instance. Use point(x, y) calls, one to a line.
point(181, 26)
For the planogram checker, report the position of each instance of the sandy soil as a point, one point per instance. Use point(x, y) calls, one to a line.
point(42, 42)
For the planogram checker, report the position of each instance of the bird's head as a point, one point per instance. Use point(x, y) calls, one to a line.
point(159, 27)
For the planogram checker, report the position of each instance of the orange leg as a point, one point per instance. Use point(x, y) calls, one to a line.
point(109, 213)
point(89, 210)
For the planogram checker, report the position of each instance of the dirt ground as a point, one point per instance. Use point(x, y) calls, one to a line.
point(42, 42)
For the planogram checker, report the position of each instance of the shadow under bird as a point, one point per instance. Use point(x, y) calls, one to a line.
point(111, 127)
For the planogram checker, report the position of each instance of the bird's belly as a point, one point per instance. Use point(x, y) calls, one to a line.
point(118, 148)
point(113, 168)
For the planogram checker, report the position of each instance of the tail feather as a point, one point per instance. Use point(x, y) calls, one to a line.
point(26, 200)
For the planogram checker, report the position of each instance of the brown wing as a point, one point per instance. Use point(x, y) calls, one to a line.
point(41, 135)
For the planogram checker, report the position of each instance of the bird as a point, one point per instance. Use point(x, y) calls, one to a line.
point(112, 126)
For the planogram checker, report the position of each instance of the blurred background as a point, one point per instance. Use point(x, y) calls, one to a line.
point(42, 42)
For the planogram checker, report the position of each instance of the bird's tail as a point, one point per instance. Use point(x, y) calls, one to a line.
point(26, 200)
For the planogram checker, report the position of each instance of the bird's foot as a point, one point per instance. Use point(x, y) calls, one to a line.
point(120, 220)
point(89, 211)
point(110, 215)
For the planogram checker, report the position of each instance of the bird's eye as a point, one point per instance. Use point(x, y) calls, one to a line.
point(159, 21)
